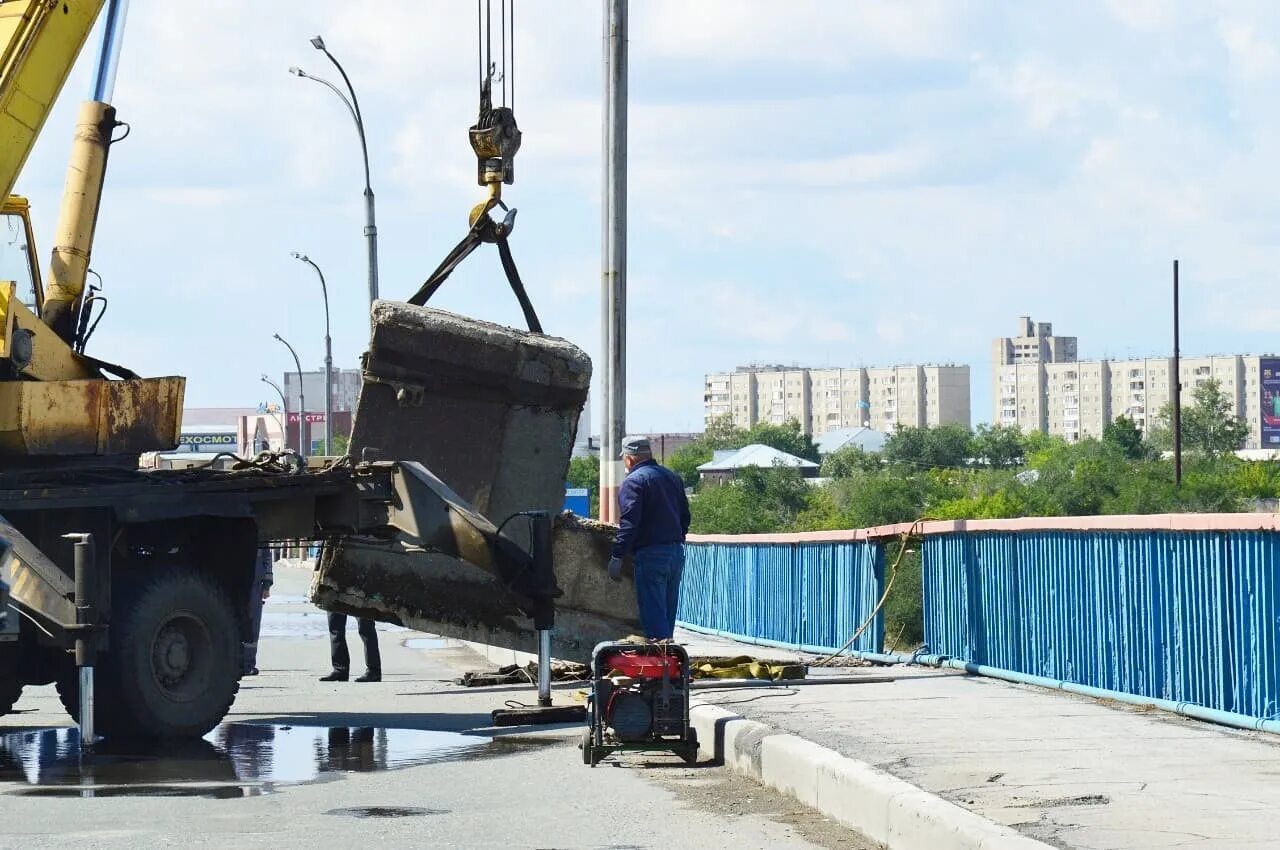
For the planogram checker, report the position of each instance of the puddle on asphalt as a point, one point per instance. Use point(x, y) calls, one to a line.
point(426, 643)
point(308, 624)
point(287, 599)
point(386, 812)
point(235, 760)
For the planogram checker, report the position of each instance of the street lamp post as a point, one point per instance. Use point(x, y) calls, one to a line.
point(302, 399)
point(284, 406)
point(328, 357)
point(353, 106)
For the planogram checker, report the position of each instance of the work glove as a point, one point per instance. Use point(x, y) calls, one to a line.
point(615, 569)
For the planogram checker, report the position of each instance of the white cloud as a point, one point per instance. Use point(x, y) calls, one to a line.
point(1253, 56)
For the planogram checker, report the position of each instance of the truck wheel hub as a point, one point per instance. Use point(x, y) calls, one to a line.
point(172, 654)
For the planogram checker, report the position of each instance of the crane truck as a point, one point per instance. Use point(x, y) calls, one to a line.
point(133, 585)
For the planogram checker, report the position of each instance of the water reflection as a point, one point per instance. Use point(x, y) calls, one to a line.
point(245, 755)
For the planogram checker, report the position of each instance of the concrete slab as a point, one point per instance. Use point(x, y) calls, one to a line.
point(1064, 770)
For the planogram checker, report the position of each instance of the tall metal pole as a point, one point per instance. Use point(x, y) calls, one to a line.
point(328, 358)
point(1177, 384)
point(302, 398)
point(613, 279)
point(353, 106)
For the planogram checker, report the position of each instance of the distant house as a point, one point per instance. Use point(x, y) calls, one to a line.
point(867, 439)
point(725, 464)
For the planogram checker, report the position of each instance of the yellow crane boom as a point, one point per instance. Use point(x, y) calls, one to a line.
point(41, 39)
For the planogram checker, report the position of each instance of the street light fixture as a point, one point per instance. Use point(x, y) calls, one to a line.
point(353, 106)
point(328, 356)
point(302, 399)
point(284, 406)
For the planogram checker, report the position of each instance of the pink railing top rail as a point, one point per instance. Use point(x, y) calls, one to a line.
point(1119, 522)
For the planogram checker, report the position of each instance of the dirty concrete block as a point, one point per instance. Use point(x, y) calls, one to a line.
point(397, 581)
point(493, 411)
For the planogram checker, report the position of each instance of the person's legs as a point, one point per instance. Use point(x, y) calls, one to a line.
point(674, 574)
point(372, 657)
point(338, 654)
point(255, 626)
point(650, 568)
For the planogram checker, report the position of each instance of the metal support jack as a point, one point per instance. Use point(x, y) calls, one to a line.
point(544, 621)
point(86, 620)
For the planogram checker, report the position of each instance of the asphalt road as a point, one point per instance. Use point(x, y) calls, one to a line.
point(409, 762)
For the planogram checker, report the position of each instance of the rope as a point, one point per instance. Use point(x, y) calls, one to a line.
point(893, 574)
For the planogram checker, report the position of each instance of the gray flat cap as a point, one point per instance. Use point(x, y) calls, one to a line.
point(636, 445)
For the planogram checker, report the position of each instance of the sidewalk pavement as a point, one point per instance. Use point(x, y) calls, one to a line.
point(1018, 766)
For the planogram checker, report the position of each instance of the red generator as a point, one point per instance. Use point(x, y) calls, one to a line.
point(639, 701)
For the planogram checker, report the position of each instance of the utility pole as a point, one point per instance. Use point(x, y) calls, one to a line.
point(613, 278)
point(1177, 388)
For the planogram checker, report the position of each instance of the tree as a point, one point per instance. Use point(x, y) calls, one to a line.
point(926, 448)
point(758, 500)
point(585, 472)
point(998, 446)
point(721, 433)
point(1209, 425)
point(1125, 435)
point(685, 461)
point(849, 460)
point(879, 498)
point(788, 437)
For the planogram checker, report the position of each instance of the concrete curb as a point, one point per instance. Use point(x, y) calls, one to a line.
point(880, 806)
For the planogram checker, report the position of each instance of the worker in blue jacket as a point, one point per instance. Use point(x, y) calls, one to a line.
point(654, 519)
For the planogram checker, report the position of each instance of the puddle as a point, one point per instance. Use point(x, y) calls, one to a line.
point(287, 599)
point(235, 760)
point(215, 792)
point(426, 643)
point(308, 624)
point(386, 812)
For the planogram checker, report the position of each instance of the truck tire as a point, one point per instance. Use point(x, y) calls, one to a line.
point(174, 663)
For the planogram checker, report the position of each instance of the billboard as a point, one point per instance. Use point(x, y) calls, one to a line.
point(1270, 388)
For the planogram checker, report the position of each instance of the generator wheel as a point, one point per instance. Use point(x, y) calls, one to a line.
point(174, 663)
point(690, 753)
point(588, 740)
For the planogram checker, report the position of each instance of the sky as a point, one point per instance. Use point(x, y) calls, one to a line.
point(818, 183)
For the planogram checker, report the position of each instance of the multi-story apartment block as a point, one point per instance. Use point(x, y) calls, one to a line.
point(1076, 399)
point(1035, 343)
point(1076, 402)
point(1020, 374)
point(825, 399)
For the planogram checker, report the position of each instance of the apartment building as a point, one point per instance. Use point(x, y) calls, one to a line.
point(1076, 400)
point(1020, 375)
point(826, 399)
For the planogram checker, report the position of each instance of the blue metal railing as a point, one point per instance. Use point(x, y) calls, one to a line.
point(810, 596)
point(1184, 616)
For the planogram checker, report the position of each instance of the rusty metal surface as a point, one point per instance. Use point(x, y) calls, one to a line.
point(90, 417)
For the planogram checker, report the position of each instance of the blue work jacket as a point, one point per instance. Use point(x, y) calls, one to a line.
point(654, 509)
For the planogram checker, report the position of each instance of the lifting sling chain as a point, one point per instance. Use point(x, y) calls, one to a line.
point(495, 138)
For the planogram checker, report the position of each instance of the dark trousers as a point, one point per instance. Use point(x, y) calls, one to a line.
point(338, 644)
point(255, 626)
point(658, 570)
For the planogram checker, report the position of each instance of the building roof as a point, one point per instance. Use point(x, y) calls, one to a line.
point(867, 439)
point(756, 454)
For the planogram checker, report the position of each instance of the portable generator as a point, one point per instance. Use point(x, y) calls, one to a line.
point(639, 701)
